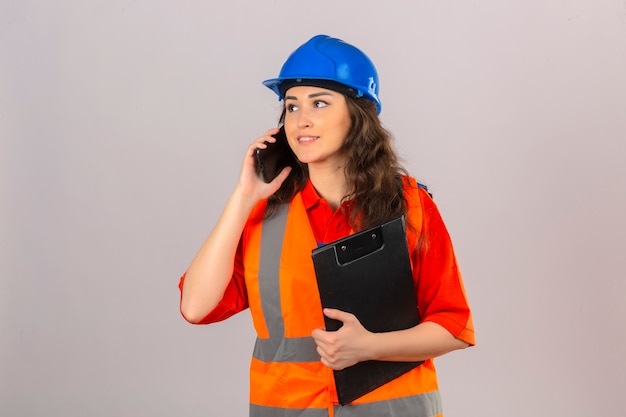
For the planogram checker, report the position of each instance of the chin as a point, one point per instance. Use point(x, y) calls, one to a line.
point(305, 159)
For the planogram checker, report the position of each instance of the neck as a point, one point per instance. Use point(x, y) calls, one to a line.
point(330, 183)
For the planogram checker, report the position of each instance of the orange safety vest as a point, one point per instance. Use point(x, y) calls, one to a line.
point(287, 377)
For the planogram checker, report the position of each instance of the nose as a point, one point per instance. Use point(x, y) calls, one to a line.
point(304, 120)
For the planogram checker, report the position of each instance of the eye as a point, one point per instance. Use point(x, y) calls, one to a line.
point(291, 108)
point(319, 104)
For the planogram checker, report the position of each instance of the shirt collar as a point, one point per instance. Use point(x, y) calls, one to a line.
point(309, 195)
point(310, 198)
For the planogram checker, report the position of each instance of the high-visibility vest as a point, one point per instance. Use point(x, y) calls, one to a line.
point(287, 377)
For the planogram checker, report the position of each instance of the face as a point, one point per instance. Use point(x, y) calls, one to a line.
point(317, 122)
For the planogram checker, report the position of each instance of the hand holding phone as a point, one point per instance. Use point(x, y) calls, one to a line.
point(278, 155)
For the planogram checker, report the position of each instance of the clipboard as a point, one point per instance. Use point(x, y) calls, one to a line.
point(369, 275)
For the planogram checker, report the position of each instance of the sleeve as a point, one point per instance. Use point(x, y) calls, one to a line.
point(235, 297)
point(439, 287)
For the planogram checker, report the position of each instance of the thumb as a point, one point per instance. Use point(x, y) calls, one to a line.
point(333, 313)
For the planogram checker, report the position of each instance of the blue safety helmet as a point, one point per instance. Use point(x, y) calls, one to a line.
point(328, 63)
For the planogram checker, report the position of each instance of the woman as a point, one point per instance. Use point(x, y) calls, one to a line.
point(347, 179)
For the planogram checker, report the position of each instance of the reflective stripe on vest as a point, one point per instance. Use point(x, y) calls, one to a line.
point(277, 348)
point(421, 405)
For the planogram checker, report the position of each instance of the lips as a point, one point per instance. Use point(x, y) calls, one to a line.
point(306, 139)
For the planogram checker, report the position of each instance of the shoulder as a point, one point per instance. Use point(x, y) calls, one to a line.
point(414, 188)
point(416, 194)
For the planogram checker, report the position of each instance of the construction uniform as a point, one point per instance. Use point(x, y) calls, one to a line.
point(274, 277)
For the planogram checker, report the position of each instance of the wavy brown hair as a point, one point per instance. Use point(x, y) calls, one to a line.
point(373, 171)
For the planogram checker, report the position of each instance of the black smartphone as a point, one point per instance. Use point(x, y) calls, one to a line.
point(278, 155)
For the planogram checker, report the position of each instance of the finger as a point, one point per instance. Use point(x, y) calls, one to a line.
point(337, 314)
point(268, 136)
point(326, 363)
point(282, 176)
point(326, 357)
point(320, 337)
point(331, 363)
point(318, 334)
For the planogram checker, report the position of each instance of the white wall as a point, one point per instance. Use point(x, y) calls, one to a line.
point(122, 126)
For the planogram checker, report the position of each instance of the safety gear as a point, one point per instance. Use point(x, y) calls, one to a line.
point(286, 374)
point(326, 58)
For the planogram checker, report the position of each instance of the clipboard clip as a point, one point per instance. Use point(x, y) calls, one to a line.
point(358, 246)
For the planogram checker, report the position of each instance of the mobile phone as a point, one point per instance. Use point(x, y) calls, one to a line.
point(278, 155)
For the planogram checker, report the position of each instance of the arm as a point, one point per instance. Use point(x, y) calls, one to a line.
point(211, 269)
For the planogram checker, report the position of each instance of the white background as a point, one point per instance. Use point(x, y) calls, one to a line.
point(123, 124)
